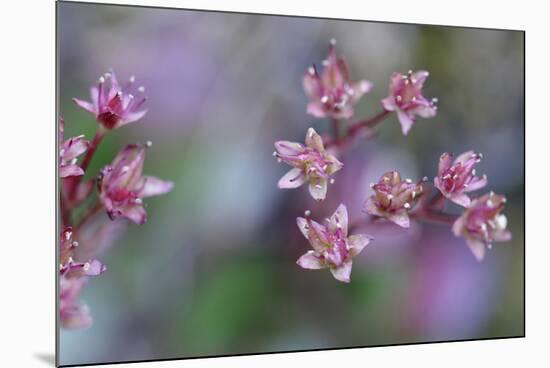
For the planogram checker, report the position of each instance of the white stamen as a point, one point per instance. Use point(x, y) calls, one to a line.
point(279, 160)
point(408, 181)
point(73, 161)
point(333, 41)
point(474, 172)
point(425, 178)
point(413, 195)
point(141, 89)
point(311, 70)
point(74, 244)
point(489, 245)
point(371, 185)
point(501, 222)
point(407, 205)
point(274, 153)
point(101, 79)
point(107, 75)
point(325, 62)
point(132, 79)
point(410, 72)
point(324, 99)
point(398, 98)
point(131, 96)
point(307, 213)
point(138, 201)
point(332, 180)
point(125, 169)
point(435, 100)
point(68, 235)
point(86, 266)
point(148, 144)
point(390, 196)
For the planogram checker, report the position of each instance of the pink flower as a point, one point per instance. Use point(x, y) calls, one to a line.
point(114, 106)
point(332, 247)
point(71, 314)
point(68, 267)
point(456, 178)
point(122, 185)
point(406, 98)
point(481, 224)
point(311, 163)
point(332, 94)
point(68, 152)
point(393, 198)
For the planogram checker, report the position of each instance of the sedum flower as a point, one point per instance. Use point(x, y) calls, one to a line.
point(69, 150)
point(406, 99)
point(481, 224)
point(332, 247)
point(456, 178)
point(114, 105)
point(332, 94)
point(71, 280)
point(68, 267)
point(122, 186)
point(311, 163)
point(393, 198)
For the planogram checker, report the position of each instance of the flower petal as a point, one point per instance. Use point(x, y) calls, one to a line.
point(289, 148)
point(388, 103)
point(88, 106)
point(400, 218)
point(477, 247)
point(371, 208)
point(152, 186)
point(312, 85)
point(476, 183)
point(135, 213)
point(342, 273)
point(445, 162)
point(318, 189)
point(339, 220)
point(132, 117)
point(460, 199)
point(316, 109)
point(311, 261)
point(292, 179)
point(314, 140)
point(357, 242)
point(359, 89)
point(405, 120)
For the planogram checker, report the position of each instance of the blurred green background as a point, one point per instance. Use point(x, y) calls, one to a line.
point(213, 270)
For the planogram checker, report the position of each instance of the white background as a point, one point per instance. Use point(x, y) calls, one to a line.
point(27, 182)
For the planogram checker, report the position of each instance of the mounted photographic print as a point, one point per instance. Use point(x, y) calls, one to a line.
point(235, 183)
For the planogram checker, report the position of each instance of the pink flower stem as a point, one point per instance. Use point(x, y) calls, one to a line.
point(357, 127)
point(91, 212)
point(99, 134)
point(65, 211)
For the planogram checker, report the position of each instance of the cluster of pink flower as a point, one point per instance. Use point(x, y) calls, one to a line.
point(121, 188)
point(333, 95)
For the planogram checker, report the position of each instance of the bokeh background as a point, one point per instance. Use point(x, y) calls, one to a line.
point(213, 270)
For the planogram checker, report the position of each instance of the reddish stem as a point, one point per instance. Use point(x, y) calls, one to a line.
point(357, 127)
point(437, 217)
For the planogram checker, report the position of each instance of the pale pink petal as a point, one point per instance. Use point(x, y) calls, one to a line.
point(371, 208)
point(135, 213)
point(405, 120)
point(73, 147)
point(317, 236)
point(312, 85)
point(419, 78)
point(339, 220)
point(395, 82)
point(462, 158)
point(460, 199)
point(345, 113)
point(288, 148)
point(314, 140)
point(502, 236)
point(132, 117)
point(310, 261)
point(458, 226)
point(476, 183)
point(318, 189)
point(388, 103)
point(425, 111)
point(70, 170)
point(316, 109)
point(152, 186)
point(445, 162)
point(303, 226)
point(400, 218)
point(342, 273)
point(292, 179)
point(477, 247)
point(358, 242)
point(85, 105)
point(75, 317)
